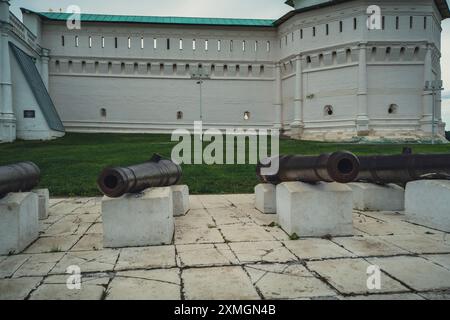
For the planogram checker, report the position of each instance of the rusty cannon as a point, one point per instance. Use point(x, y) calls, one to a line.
point(158, 172)
point(18, 177)
point(403, 168)
point(340, 167)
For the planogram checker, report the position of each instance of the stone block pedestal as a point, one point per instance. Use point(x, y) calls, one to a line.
point(19, 222)
point(180, 195)
point(266, 201)
point(315, 210)
point(427, 202)
point(137, 220)
point(372, 197)
point(43, 198)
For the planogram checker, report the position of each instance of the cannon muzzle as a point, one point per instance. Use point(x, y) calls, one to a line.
point(19, 177)
point(158, 172)
point(340, 167)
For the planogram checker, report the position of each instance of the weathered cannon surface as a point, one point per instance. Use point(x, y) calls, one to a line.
point(18, 177)
point(158, 172)
point(340, 167)
point(403, 168)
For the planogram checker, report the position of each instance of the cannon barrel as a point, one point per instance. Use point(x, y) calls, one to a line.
point(340, 167)
point(158, 172)
point(403, 168)
point(18, 177)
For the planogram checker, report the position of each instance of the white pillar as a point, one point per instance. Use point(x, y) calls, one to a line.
point(298, 125)
point(362, 120)
point(427, 100)
point(7, 118)
point(44, 66)
point(278, 102)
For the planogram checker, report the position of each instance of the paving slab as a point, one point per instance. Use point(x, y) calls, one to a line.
point(195, 203)
point(95, 228)
point(261, 218)
point(197, 218)
point(445, 295)
point(349, 276)
point(89, 242)
point(38, 265)
point(441, 259)
point(53, 244)
point(245, 233)
point(145, 285)
point(377, 227)
point(88, 261)
point(369, 246)
point(18, 288)
point(222, 283)
point(307, 249)
point(418, 244)
point(228, 216)
point(416, 272)
point(240, 199)
point(278, 233)
point(11, 264)
point(287, 281)
point(205, 255)
point(387, 297)
point(214, 201)
point(199, 235)
point(262, 251)
point(159, 257)
point(93, 287)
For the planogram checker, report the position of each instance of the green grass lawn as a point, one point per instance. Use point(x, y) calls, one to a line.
point(70, 165)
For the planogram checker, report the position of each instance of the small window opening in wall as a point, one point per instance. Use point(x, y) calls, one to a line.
point(285, 40)
point(416, 51)
point(115, 43)
point(103, 42)
point(402, 51)
point(327, 29)
point(246, 115)
point(155, 43)
point(179, 115)
point(397, 23)
point(219, 45)
point(29, 114)
point(393, 109)
point(77, 41)
point(231, 45)
point(411, 22)
point(424, 22)
point(90, 42)
point(301, 33)
point(129, 43)
point(268, 46)
point(243, 45)
point(383, 22)
point(168, 44)
point(181, 44)
point(388, 50)
point(256, 46)
point(142, 42)
point(62, 41)
point(194, 44)
point(314, 31)
point(341, 26)
point(355, 23)
point(103, 112)
point(206, 45)
point(261, 70)
point(292, 35)
point(308, 59)
point(328, 110)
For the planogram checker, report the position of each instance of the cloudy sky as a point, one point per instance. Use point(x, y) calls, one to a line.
point(270, 9)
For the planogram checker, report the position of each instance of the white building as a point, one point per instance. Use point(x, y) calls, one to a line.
point(318, 72)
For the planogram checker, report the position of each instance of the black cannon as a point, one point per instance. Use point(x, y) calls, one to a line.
point(403, 168)
point(340, 167)
point(19, 177)
point(158, 172)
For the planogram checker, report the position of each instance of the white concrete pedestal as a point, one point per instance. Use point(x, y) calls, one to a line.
point(427, 202)
point(315, 210)
point(266, 201)
point(136, 220)
point(372, 197)
point(180, 195)
point(43, 198)
point(19, 222)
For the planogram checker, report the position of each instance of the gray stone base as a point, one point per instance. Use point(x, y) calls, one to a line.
point(136, 220)
point(44, 198)
point(180, 195)
point(266, 201)
point(317, 210)
point(372, 197)
point(19, 222)
point(427, 203)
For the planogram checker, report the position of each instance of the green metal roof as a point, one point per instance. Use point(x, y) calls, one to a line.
point(38, 88)
point(57, 16)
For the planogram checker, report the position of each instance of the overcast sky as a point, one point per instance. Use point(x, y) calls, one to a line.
point(265, 9)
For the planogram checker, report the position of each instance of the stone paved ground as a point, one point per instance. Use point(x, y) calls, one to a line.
point(225, 249)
